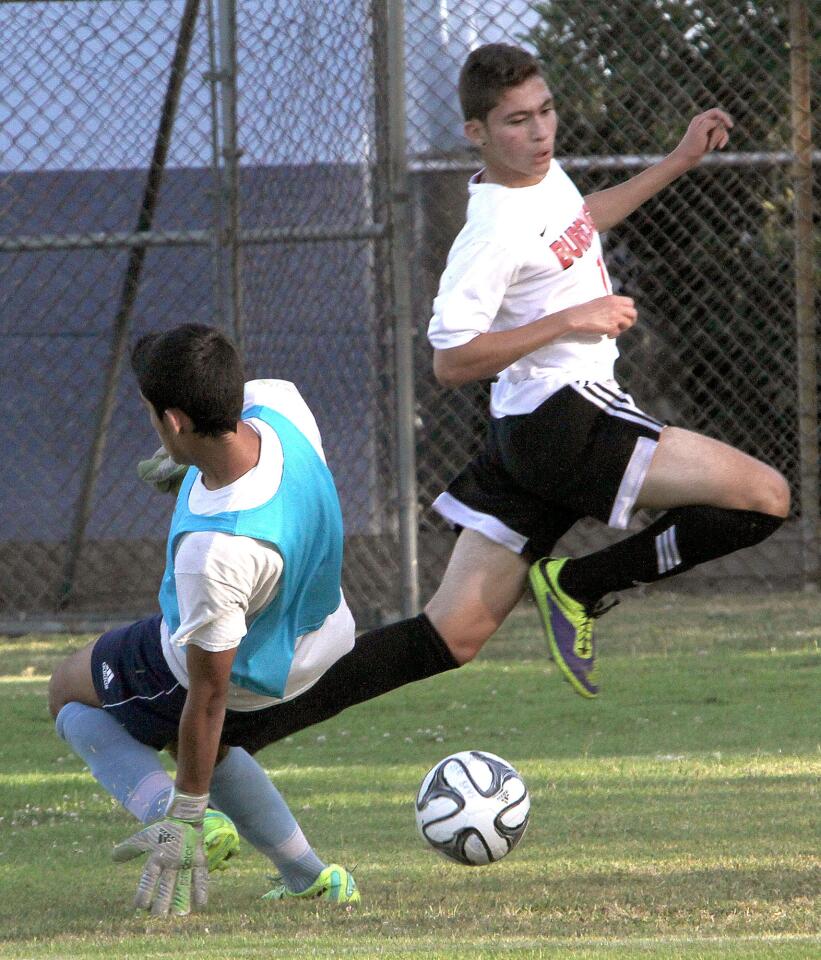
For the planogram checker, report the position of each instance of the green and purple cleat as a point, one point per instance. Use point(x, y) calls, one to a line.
point(568, 625)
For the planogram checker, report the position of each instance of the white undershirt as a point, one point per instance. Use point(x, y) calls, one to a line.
point(504, 271)
point(223, 581)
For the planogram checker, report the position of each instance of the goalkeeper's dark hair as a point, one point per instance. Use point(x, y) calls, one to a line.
point(193, 368)
point(489, 71)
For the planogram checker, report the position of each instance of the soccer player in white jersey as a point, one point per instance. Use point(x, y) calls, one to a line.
point(252, 616)
point(525, 298)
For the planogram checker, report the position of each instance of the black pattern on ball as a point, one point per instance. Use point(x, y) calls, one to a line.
point(473, 808)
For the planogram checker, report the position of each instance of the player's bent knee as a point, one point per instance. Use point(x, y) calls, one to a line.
point(772, 494)
point(462, 635)
point(60, 689)
point(463, 650)
point(781, 496)
point(56, 698)
point(465, 640)
point(72, 680)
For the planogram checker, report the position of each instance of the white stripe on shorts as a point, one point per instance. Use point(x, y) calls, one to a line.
point(616, 403)
point(667, 555)
point(138, 696)
point(631, 482)
point(454, 511)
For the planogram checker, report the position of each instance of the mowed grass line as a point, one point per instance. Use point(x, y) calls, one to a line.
point(157, 946)
point(674, 817)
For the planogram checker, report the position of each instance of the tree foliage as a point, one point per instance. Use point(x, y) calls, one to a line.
point(628, 74)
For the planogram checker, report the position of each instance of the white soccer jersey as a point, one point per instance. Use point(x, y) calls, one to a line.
point(523, 253)
point(222, 580)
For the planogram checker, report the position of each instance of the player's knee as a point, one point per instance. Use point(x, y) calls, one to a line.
point(771, 494)
point(781, 496)
point(464, 636)
point(463, 648)
point(72, 681)
point(61, 686)
point(56, 695)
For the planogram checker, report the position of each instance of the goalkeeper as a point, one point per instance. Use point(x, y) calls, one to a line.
point(252, 615)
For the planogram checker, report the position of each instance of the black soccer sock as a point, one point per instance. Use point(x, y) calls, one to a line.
point(381, 660)
point(389, 657)
point(679, 540)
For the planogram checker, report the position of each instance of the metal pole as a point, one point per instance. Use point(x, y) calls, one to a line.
point(128, 295)
point(227, 14)
point(400, 256)
point(805, 289)
point(212, 78)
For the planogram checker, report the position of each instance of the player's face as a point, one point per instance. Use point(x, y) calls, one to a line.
point(518, 136)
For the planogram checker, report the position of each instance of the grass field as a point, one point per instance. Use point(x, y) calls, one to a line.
point(676, 816)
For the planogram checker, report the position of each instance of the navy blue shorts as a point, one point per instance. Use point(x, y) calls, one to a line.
point(136, 686)
point(134, 683)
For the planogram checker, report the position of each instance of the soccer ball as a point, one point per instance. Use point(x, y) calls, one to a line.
point(472, 807)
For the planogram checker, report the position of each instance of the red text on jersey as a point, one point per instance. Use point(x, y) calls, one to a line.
point(576, 239)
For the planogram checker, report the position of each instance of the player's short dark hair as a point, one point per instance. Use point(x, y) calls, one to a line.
point(193, 368)
point(489, 71)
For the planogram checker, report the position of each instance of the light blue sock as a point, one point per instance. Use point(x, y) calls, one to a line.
point(129, 770)
point(242, 790)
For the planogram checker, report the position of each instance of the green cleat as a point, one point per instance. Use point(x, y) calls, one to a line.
point(219, 838)
point(568, 625)
point(335, 883)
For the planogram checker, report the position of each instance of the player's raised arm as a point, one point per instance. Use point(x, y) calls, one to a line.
point(707, 132)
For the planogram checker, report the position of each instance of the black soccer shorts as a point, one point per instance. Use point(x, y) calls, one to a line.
point(584, 452)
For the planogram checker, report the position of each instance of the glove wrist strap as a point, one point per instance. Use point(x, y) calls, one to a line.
point(187, 806)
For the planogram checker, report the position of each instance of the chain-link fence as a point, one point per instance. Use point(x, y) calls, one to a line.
point(712, 261)
point(274, 168)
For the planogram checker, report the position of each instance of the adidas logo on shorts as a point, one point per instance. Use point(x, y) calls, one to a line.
point(108, 675)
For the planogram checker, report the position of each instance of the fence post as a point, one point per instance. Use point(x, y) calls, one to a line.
point(227, 14)
point(399, 239)
point(213, 78)
point(805, 289)
point(122, 321)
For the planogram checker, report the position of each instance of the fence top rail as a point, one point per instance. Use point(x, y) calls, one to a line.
point(181, 238)
point(469, 162)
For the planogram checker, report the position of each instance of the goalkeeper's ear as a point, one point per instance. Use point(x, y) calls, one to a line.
point(161, 472)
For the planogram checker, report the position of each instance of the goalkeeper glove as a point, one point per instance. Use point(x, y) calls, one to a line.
point(161, 472)
point(176, 874)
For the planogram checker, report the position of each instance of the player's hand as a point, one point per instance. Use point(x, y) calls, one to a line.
point(707, 132)
point(161, 472)
point(175, 877)
point(604, 317)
